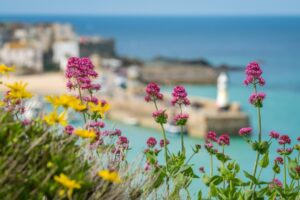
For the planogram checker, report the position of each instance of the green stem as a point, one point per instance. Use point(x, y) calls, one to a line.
point(182, 141)
point(165, 148)
point(80, 96)
point(259, 138)
point(211, 165)
point(284, 165)
point(223, 151)
point(259, 174)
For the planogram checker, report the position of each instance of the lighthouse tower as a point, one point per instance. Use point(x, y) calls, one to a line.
point(222, 94)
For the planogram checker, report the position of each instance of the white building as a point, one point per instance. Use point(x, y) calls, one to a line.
point(64, 49)
point(23, 55)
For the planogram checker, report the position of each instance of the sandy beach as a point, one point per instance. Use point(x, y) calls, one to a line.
point(41, 84)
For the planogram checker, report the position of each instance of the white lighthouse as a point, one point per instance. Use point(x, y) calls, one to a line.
point(222, 94)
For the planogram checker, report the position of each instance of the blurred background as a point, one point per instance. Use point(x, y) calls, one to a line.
point(203, 45)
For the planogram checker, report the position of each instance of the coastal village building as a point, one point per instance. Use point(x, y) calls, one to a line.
point(22, 54)
point(64, 49)
point(96, 45)
point(47, 46)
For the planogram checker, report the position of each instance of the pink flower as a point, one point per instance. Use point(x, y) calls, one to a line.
point(179, 96)
point(151, 142)
point(160, 116)
point(147, 166)
point(257, 99)
point(253, 74)
point(116, 132)
point(69, 129)
point(162, 143)
point(284, 139)
point(79, 72)
point(224, 139)
point(209, 145)
point(96, 124)
point(201, 169)
point(211, 136)
point(245, 131)
point(284, 151)
point(153, 92)
point(274, 135)
point(297, 169)
point(279, 160)
point(26, 122)
point(275, 183)
point(298, 139)
point(181, 119)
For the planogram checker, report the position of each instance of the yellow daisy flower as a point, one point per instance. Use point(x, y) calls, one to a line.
point(18, 91)
point(55, 118)
point(5, 69)
point(77, 105)
point(68, 183)
point(111, 176)
point(85, 133)
point(100, 108)
point(63, 100)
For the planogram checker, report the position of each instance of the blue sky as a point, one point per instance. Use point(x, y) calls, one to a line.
point(152, 7)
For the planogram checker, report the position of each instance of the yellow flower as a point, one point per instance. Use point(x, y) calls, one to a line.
point(2, 103)
point(111, 176)
point(5, 69)
point(85, 133)
point(55, 118)
point(100, 108)
point(77, 105)
point(68, 183)
point(18, 91)
point(63, 100)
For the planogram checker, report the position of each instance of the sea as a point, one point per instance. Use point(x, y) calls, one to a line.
point(273, 41)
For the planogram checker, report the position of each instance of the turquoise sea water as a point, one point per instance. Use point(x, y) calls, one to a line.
point(274, 41)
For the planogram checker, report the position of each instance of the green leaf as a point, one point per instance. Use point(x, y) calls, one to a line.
point(216, 180)
point(264, 162)
point(292, 164)
point(222, 157)
point(199, 195)
point(252, 178)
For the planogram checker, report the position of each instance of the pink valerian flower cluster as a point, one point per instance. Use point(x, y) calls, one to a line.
point(181, 119)
point(285, 151)
point(179, 96)
point(278, 160)
point(69, 129)
point(298, 139)
point(253, 74)
point(98, 124)
point(257, 99)
point(274, 135)
point(26, 122)
point(160, 116)
point(153, 92)
point(211, 137)
point(151, 142)
point(224, 139)
point(275, 183)
point(80, 72)
point(122, 145)
point(284, 139)
point(92, 99)
point(162, 143)
point(112, 133)
point(245, 131)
